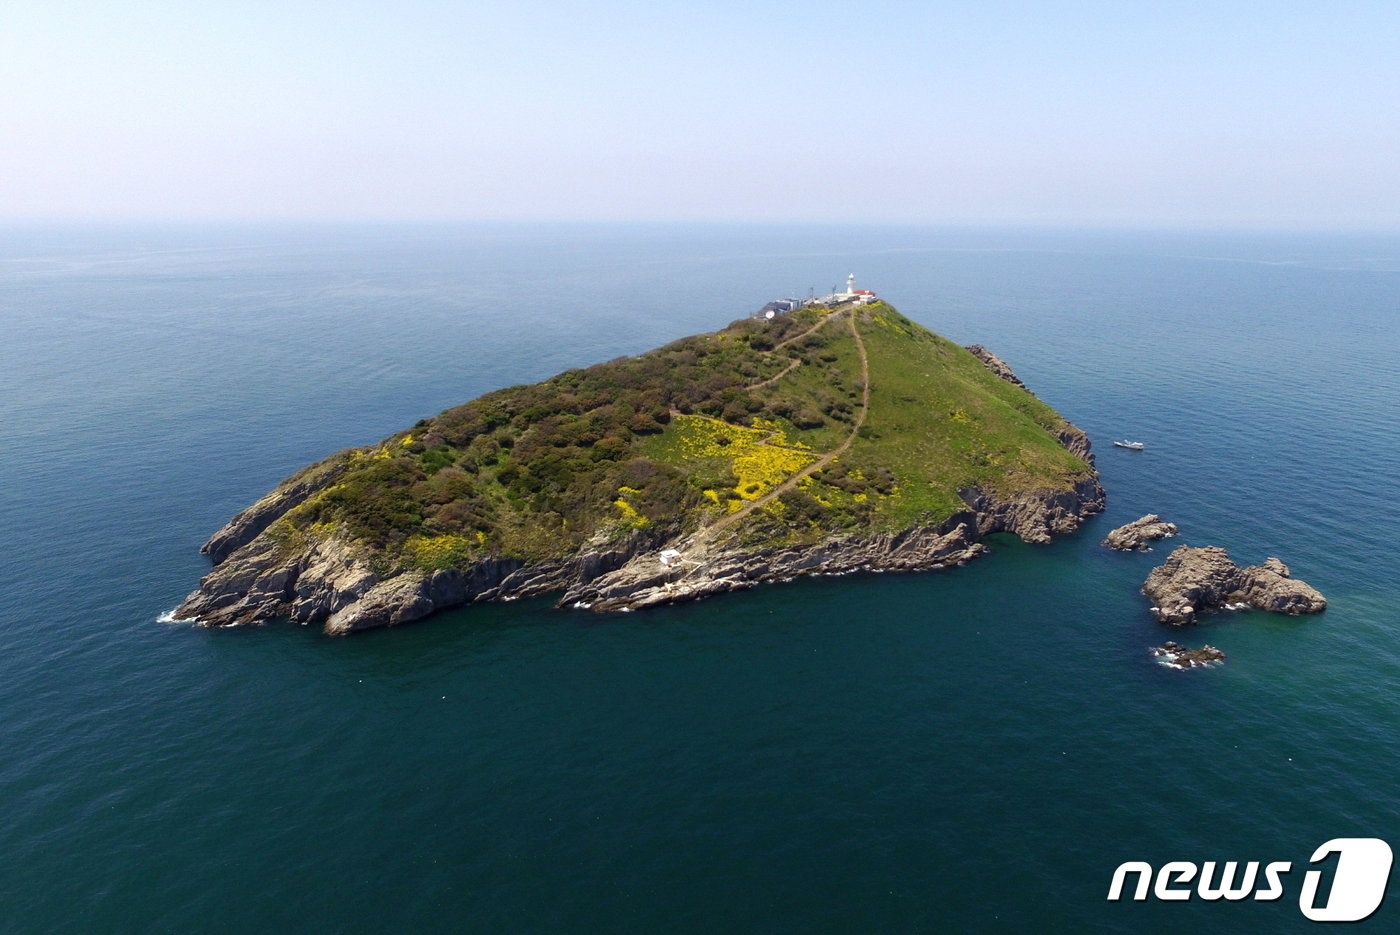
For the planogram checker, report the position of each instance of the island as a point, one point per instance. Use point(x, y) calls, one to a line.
point(819, 438)
point(1134, 536)
point(1193, 580)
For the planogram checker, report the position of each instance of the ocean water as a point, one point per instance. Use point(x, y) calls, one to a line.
point(967, 751)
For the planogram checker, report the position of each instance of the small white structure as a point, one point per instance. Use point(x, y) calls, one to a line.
point(836, 299)
point(669, 557)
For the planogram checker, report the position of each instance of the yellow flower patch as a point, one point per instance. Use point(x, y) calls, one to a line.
point(761, 457)
point(437, 552)
point(762, 467)
point(630, 516)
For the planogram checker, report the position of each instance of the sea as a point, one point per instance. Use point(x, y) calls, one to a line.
point(972, 750)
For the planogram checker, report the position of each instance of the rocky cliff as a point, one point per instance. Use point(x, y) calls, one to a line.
point(822, 442)
point(700, 569)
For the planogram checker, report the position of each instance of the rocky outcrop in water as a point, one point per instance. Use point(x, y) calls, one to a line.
point(1138, 533)
point(1193, 580)
point(1174, 654)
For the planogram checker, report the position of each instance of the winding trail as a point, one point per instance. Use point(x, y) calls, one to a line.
point(705, 536)
point(821, 323)
point(796, 361)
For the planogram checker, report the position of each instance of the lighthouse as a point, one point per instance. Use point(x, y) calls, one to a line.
point(851, 284)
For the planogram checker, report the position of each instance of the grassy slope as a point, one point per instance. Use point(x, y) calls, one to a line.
point(941, 420)
point(692, 432)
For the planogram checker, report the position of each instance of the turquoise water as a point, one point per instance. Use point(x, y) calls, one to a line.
point(970, 751)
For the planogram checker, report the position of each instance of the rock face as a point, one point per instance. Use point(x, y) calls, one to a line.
point(289, 494)
point(1138, 533)
point(1039, 516)
point(1193, 580)
point(996, 365)
point(703, 570)
point(1174, 654)
point(331, 584)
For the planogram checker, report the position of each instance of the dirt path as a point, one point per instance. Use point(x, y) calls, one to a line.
point(705, 536)
point(796, 361)
point(821, 323)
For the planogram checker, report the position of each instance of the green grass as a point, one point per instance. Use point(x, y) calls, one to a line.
point(940, 420)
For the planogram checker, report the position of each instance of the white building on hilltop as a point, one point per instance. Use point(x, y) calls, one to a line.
point(852, 295)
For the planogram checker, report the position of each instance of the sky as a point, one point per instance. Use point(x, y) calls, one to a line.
point(1227, 114)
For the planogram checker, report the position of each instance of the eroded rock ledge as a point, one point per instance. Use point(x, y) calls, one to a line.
point(996, 365)
point(1136, 535)
point(1193, 580)
point(702, 570)
point(332, 584)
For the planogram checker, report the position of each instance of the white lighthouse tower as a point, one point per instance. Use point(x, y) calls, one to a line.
point(851, 284)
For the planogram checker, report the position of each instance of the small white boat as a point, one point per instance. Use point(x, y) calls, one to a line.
point(1135, 446)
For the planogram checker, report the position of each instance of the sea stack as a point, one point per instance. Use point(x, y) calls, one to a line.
point(1193, 580)
point(1136, 535)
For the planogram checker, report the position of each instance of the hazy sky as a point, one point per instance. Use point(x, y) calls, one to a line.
point(1225, 113)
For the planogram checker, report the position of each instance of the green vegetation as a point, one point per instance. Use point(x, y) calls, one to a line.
point(702, 430)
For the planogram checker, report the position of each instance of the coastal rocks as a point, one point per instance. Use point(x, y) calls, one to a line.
point(1193, 580)
point(1174, 654)
point(704, 570)
point(996, 365)
point(332, 583)
point(1271, 587)
point(1138, 533)
point(1036, 517)
point(289, 494)
point(1072, 437)
point(268, 580)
